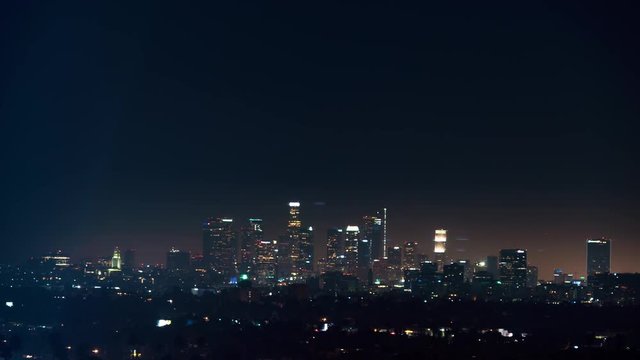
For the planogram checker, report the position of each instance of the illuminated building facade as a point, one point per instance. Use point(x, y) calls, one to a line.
point(58, 259)
point(410, 256)
point(440, 247)
point(335, 250)
point(598, 256)
point(513, 268)
point(352, 237)
point(251, 236)
point(219, 248)
point(300, 247)
point(116, 260)
point(266, 262)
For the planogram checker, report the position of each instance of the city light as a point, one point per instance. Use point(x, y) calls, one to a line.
point(163, 323)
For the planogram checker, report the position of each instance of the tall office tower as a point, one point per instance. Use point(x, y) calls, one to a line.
point(440, 246)
point(283, 258)
point(394, 256)
point(453, 276)
point(373, 231)
point(410, 256)
point(219, 249)
point(116, 260)
point(305, 259)
point(178, 260)
point(129, 260)
point(513, 268)
point(598, 256)
point(492, 266)
point(266, 262)
point(335, 250)
point(251, 236)
point(294, 229)
point(394, 263)
point(532, 276)
point(351, 240)
point(468, 269)
point(364, 257)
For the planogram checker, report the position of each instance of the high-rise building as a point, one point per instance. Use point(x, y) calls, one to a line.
point(335, 250)
point(301, 245)
point(266, 262)
point(410, 256)
point(440, 247)
point(394, 256)
point(532, 276)
point(116, 260)
point(364, 257)
point(219, 248)
point(394, 263)
point(283, 258)
point(373, 232)
point(513, 268)
point(352, 238)
point(453, 276)
point(468, 269)
point(598, 256)
point(251, 236)
point(178, 260)
point(305, 260)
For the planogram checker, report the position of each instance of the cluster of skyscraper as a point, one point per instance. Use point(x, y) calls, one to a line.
point(357, 250)
point(290, 258)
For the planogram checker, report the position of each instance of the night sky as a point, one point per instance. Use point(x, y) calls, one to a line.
point(511, 125)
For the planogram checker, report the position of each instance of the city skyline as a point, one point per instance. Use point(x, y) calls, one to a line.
point(321, 243)
point(510, 125)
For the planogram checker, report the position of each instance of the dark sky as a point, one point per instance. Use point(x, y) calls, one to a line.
point(511, 124)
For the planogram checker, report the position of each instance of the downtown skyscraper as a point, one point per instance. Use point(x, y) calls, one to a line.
point(300, 246)
point(373, 232)
point(335, 260)
point(440, 248)
point(219, 248)
point(251, 236)
point(598, 256)
point(351, 242)
point(513, 268)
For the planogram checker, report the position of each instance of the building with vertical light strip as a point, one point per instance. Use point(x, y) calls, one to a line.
point(598, 256)
point(440, 247)
point(383, 215)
